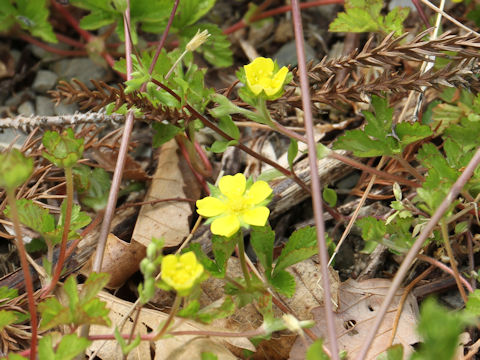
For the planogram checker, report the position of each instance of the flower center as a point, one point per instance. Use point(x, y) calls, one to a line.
point(237, 205)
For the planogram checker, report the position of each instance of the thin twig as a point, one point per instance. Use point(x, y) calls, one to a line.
point(315, 183)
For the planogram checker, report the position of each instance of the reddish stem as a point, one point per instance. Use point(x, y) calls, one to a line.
point(71, 20)
point(70, 41)
point(51, 49)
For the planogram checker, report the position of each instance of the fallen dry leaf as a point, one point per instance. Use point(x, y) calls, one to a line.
point(107, 159)
point(178, 347)
point(354, 318)
point(166, 219)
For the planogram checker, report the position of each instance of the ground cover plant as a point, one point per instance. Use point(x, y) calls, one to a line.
point(219, 202)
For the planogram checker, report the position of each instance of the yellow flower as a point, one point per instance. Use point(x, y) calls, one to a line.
point(261, 77)
point(236, 205)
point(181, 272)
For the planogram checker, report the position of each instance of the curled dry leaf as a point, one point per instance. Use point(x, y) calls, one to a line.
point(165, 219)
point(355, 315)
point(177, 347)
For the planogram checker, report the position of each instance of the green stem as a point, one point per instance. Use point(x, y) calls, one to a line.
point(171, 316)
point(456, 275)
point(66, 230)
point(12, 201)
point(241, 255)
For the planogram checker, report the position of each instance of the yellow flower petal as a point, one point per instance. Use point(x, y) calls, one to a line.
point(181, 273)
point(210, 206)
point(232, 186)
point(277, 81)
point(258, 192)
point(225, 225)
point(257, 216)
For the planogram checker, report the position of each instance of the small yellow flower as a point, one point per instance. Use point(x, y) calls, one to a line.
point(236, 205)
point(261, 77)
point(181, 272)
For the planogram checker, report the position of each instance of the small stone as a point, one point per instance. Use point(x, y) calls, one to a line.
point(82, 69)
point(26, 109)
point(287, 55)
point(18, 98)
point(45, 80)
point(44, 106)
point(65, 109)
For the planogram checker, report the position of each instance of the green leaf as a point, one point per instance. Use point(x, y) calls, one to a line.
point(219, 146)
point(330, 196)
point(209, 313)
point(365, 16)
point(190, 11)
point(283, 282)
point(94, 284)
point(7, 294)
point(33, 16)
point(227, 125)
point(13, 356)
point(7, 318)
point(95, 186)
point(473, 304)
point(262, 239)
point(164, 133)
point(440, 330)
point(300, 246)
point(70, 346)
point(394, 352)
point(45, 348)
point(372, 229)
point(33, 216)
point(409, 133)
point(292, 152)
point(15, 169)
point(216, 50)
point(315, 351)
point(63, 150)
point(206, 355)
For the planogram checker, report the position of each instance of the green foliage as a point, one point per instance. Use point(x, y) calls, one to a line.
point(301, 245)
point(164, 133)
point(206, 355)
point(126, 348)
point(377, 138)
point(81, 308)
point(30, 15)
point(292, 152)
point(7, 318)
point(7, 294)
point(365, 16)
point(394, 352)
point(15, 169)
point(440, 330)
point(40, 220)
point(68, 348)
point(63, 150)
point(209, 313)
point(315, 351)
point(330, 196)
point(92, 185)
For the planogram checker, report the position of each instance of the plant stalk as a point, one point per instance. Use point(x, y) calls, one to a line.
point(243, 262)
point(12, 201)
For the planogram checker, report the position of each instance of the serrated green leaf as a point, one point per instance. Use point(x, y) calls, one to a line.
point(45, 348)
point(94, 284)
point(365, 16)
point(33, 216)
point(70, 346)
point(372, 229)
point(316, 352)
point(330, 196)
point(440, 330)
point(409, 133)
point(164, 133)
point(7, 318)
point(33, 16)
point(394, 352)
point(7, 293)
point(63, 150)
point(93, 186)
point(283, 282)
point(190, 11)
point(262, 239)
point(15, 169)
point(216, 50)
point(301, 245)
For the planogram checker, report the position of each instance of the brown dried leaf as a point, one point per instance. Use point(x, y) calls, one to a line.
point(354, 318)
point(107, 159)
point(177, 347)
point(165, 219)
